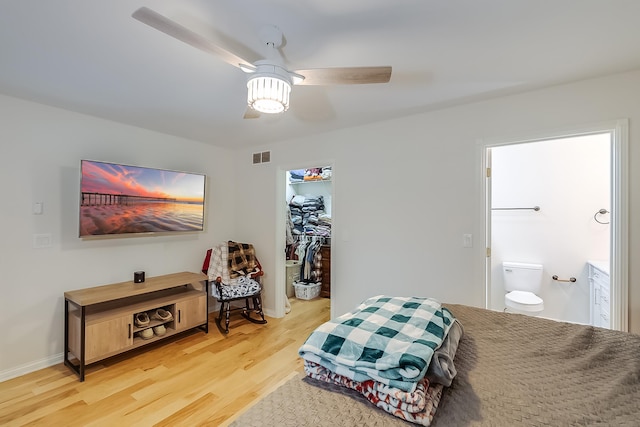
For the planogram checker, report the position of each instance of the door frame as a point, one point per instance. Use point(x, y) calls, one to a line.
point(280, 232)
point(619, 256)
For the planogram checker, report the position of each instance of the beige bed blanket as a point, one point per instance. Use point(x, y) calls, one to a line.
point(512, 370)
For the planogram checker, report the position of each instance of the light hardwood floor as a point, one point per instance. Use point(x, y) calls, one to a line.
point(194, 379)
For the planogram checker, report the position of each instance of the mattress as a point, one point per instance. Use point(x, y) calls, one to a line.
point(512, 370)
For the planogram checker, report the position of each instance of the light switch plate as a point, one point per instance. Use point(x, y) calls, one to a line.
point(38, 208)
point(467, 240)
point(42, 240)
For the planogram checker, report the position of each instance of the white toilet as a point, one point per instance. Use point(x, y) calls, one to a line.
point(522, 282)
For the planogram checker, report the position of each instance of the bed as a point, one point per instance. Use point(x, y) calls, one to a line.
point(511, 370)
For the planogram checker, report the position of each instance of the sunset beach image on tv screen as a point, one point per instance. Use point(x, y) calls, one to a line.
point(122, 199)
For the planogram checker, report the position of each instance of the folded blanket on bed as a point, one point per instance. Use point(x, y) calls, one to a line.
point(442, 370)
point(414, 401)
point(418, 407)
point(387, 339)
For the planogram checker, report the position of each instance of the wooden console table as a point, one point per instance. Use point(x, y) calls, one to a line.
point(99, 322)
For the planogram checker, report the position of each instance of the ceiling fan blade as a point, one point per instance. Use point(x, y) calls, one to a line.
point(312, 105)
point(344, 75)
point(175, 30)
point(250, 113)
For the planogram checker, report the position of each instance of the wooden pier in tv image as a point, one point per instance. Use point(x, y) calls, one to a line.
point(105, 199)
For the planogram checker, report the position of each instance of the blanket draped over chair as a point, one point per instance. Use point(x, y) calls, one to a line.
point(233, 271)
point(384, 349)
point(242, 259)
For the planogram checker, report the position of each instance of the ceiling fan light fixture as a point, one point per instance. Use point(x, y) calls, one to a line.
point(268, 90)
point(269, 82)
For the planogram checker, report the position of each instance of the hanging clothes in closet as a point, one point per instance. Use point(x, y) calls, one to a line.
point(314, 255)
point(312, 262)
point(307, 250)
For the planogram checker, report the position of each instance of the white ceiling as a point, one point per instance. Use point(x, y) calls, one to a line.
point(93, 57)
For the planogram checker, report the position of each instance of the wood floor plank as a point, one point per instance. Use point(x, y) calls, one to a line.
point(192, 414)
point(193, 379)
point(38, 406)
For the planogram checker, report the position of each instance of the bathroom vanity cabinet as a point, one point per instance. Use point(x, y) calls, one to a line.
point(599, 294)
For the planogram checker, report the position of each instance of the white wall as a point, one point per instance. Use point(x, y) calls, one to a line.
point(40, 152)
point(404, 193)
point(406, 190)
point(569, 179)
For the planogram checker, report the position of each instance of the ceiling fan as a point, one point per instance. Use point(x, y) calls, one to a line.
point(269, 81)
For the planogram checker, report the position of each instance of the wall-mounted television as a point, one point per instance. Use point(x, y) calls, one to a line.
point(117, 199)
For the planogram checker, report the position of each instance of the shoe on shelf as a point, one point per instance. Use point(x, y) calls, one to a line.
point(141, 319)
point(162, 315)
point(145, 334)
point(159, 330)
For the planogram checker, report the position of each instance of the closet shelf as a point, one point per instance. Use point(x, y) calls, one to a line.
point(309, 181)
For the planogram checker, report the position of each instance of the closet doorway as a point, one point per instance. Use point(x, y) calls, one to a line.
point(308, 199)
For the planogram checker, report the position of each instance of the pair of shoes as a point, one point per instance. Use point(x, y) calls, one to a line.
point(159, 330)
point(141, 319)
point(145, 334)
point(162, 315)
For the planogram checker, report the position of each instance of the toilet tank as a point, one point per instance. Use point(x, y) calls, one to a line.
point(519, 276)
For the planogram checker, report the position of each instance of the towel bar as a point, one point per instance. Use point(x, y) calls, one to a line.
point(571, 279)
point(535, 208)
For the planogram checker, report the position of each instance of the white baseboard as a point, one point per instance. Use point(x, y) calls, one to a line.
point(30, 367)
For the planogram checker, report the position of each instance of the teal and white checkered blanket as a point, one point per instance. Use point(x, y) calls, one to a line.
point(386, 339)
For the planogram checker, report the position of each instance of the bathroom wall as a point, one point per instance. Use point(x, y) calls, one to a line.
point(569, 179)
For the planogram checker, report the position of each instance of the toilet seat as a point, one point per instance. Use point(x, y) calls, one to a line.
point(524, 301)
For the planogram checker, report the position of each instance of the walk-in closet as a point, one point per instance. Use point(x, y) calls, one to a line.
point(308, 240)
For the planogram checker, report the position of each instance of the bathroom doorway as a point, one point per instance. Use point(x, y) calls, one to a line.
point(560, 200)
